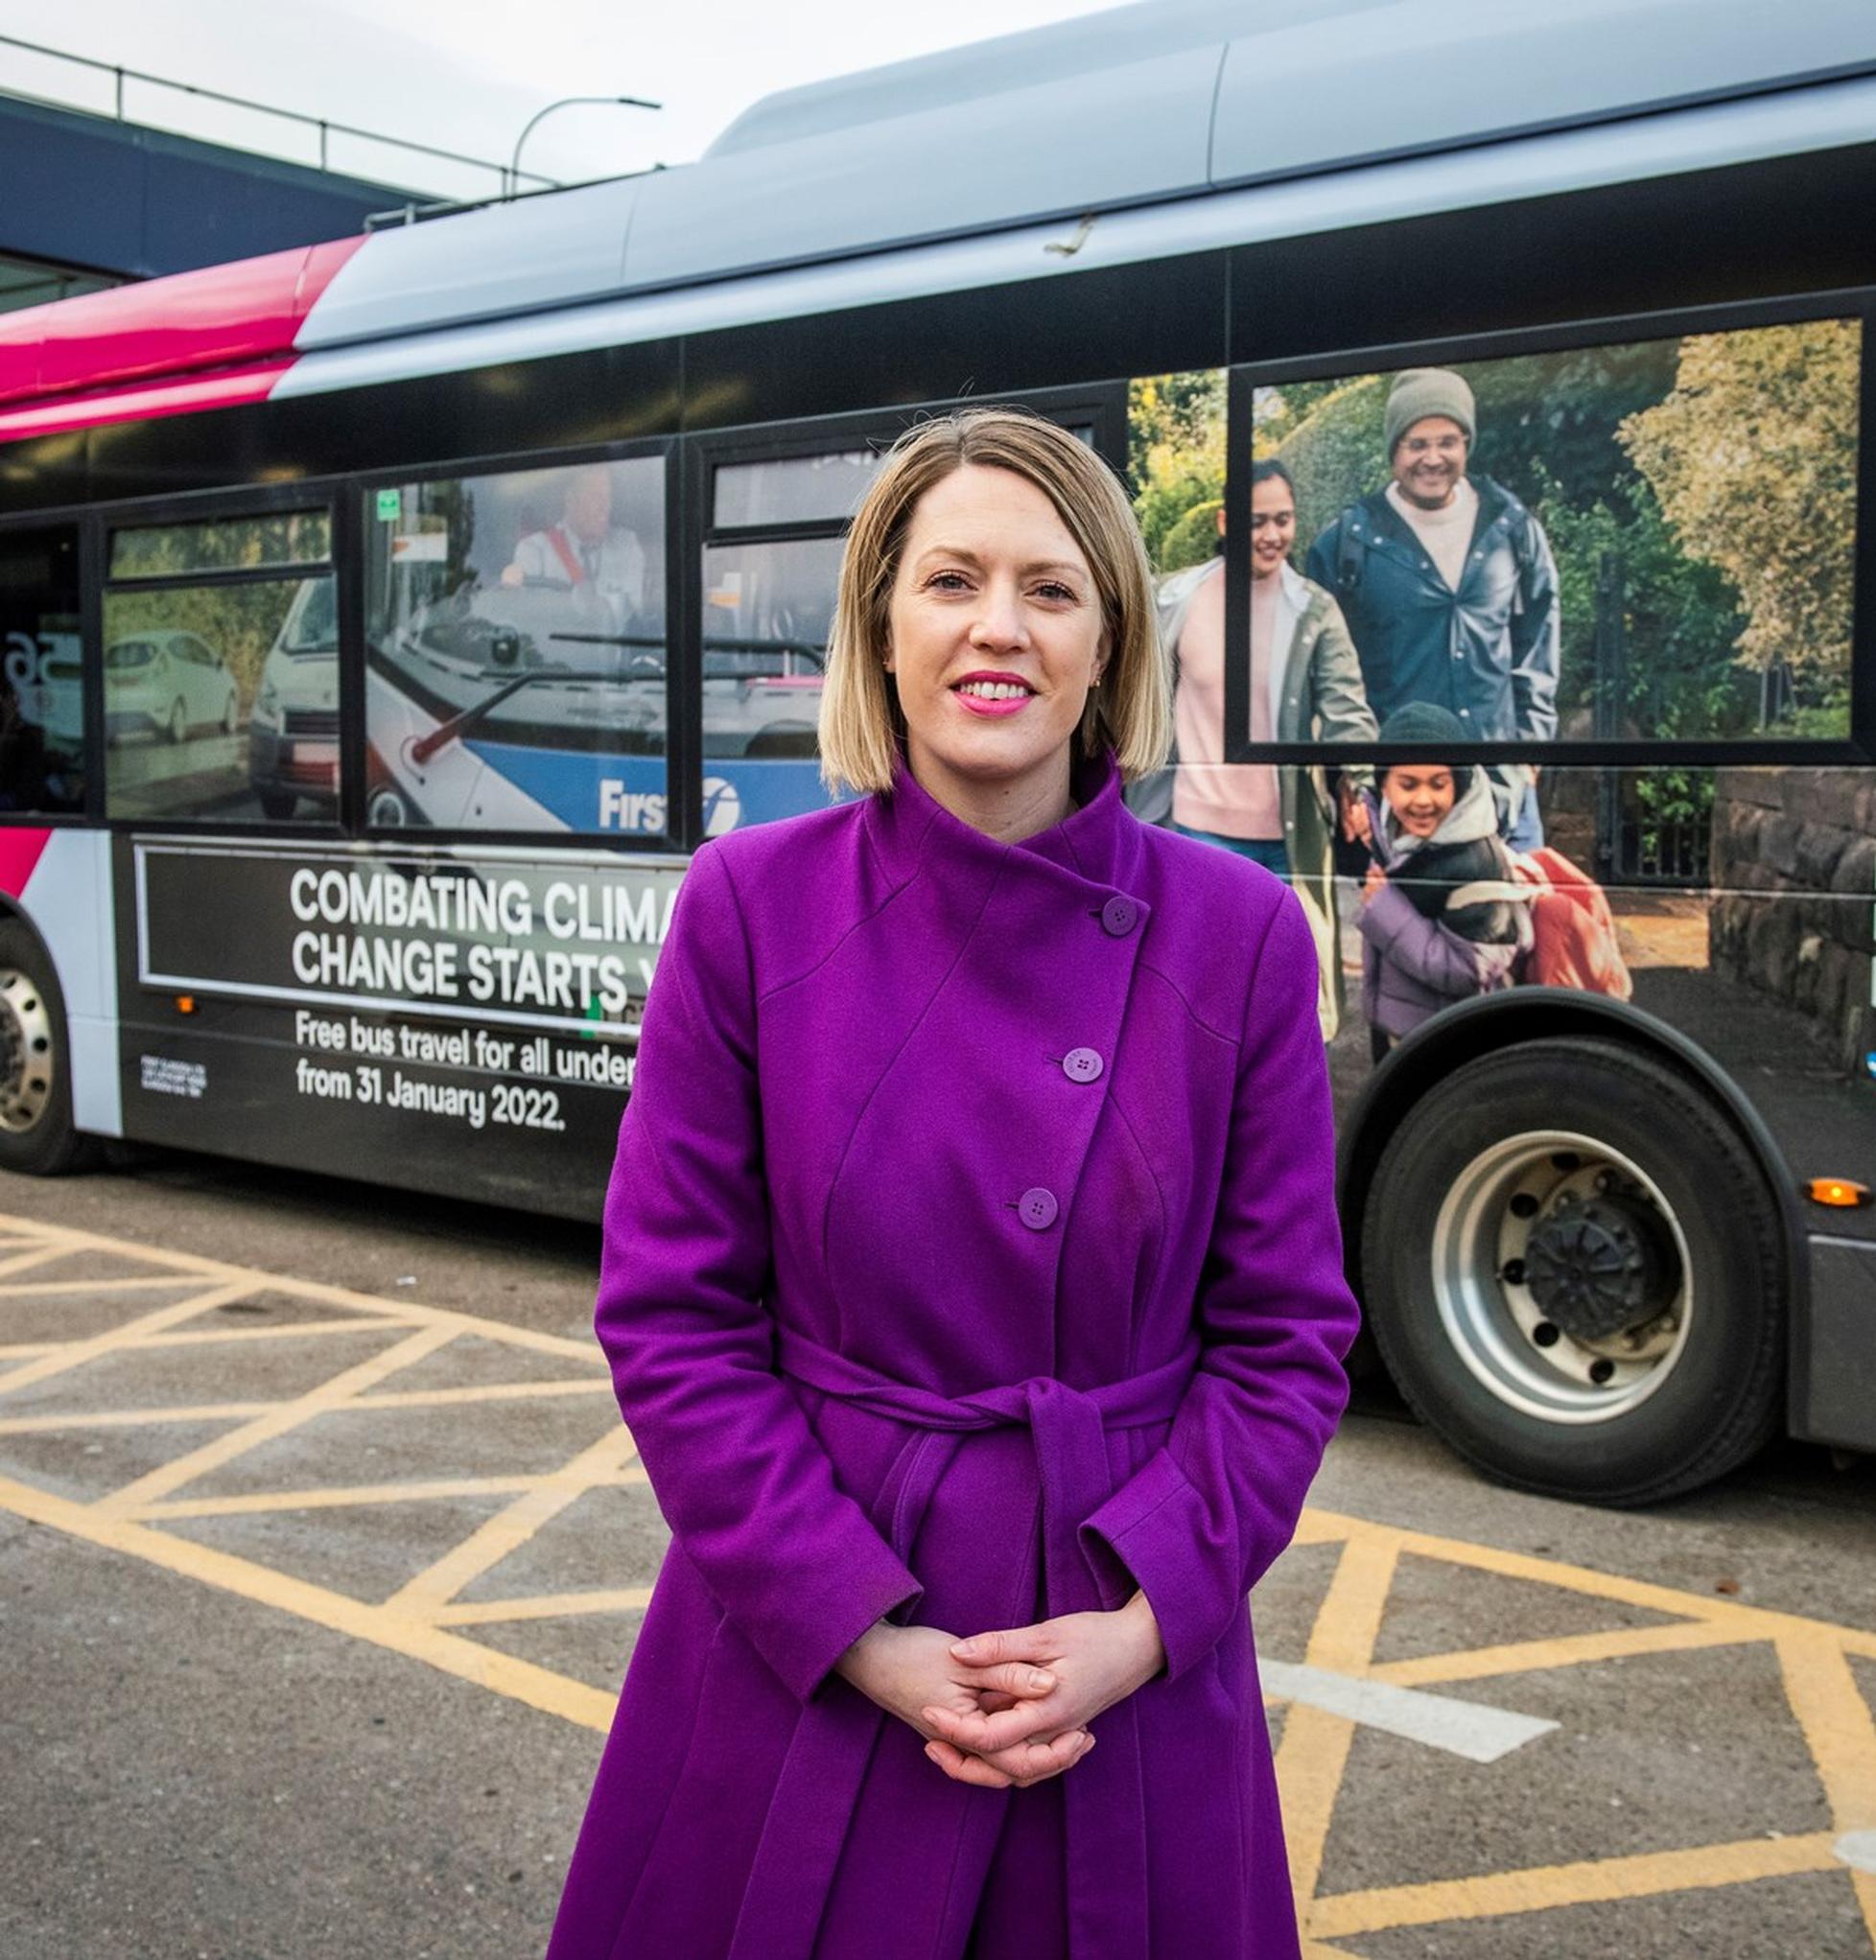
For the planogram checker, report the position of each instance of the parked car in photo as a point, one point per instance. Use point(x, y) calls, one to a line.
point(292, 738)
point(168, 682)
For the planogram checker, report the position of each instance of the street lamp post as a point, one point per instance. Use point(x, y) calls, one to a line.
point(631, 102)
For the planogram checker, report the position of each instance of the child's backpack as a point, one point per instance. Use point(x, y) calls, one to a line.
point(1574, 939)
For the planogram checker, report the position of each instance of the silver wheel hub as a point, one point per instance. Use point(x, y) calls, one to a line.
point(1561, 1277)
point(26, 1052)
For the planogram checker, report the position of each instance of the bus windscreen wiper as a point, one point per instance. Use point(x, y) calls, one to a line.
point(478, 712)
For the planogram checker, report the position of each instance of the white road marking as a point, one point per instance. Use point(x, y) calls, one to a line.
point(1472, 1729)
point(1858, 1850)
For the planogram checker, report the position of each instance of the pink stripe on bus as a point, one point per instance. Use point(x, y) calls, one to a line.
point(180, 397)
point(20, 851)
point(220, 316)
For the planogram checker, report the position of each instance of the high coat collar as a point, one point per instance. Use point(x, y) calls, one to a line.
point(1097, 844)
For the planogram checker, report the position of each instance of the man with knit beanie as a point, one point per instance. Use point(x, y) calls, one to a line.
point(1449, 586)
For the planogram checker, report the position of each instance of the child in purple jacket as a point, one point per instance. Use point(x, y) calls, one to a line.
point(1442, 917)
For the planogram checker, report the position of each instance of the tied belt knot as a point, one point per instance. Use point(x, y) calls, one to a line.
point(834, 1738)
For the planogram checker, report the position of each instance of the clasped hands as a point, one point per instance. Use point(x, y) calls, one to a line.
point(1008, 1708)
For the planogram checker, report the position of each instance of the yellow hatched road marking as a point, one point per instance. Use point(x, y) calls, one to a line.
point(486, 1391)
point(130, 1418)
point(512, 1528)
point(218, 1412)
point(1567, 1651)
point(80, 1352)
point(326, 1497)
point(287, 1330)
point(1752, 1622)
point(540, 1688)
point(277, 1422)
point(1841, 1737)
point(1315, 1747)
point(39, 1255)
point(540, 1606)
point(148, 1282)
point(421, 1619)
point(1595, 1881)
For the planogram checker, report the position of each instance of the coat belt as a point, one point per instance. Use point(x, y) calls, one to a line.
point(820, 1780)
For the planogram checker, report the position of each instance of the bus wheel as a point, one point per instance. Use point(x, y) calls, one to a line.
point(37, 1135)
point(1576, 1273)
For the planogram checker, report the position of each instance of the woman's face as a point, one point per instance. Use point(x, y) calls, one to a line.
point(995, 632)
point(1272, 526)
point(1419, 794)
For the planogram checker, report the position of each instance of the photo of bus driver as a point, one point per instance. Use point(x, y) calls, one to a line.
point(1449, 586)
point(585, 547)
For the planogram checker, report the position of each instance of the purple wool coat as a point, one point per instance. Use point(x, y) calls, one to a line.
point(971, 1257)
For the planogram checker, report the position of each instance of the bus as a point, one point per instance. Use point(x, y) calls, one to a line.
point(384, 623)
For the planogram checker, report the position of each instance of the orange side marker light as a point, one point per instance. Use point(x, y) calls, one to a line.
point(1843, 1193)
point(185, 1003)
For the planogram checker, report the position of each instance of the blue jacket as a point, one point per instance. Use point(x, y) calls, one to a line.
point(1487, 652)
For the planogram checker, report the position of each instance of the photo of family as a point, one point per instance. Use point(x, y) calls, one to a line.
point(1653, 541)
point(1650, 543)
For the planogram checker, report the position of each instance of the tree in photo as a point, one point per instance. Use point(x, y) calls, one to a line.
point(1176, 464)
point(1753, 458)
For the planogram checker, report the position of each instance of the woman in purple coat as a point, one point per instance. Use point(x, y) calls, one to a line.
point(973, 1294)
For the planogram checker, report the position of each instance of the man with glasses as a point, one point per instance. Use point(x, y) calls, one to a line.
point(1448, 587)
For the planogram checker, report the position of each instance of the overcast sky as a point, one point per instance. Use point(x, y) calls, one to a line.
point(466, 75)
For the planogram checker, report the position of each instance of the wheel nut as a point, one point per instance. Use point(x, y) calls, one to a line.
point(1602, 1371)
point(1514, 1272)
point(1544, 1334)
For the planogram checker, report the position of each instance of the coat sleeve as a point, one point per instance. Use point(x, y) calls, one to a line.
point(1433, 953)
point(748, 1492)
point(1202, 1518)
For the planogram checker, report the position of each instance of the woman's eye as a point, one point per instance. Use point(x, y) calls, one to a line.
point(947, 582)
point(1053, 590)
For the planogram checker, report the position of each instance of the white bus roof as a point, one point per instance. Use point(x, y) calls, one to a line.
point(1136, 134)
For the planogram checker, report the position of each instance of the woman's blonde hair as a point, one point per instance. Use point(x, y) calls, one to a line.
point(1131, 707)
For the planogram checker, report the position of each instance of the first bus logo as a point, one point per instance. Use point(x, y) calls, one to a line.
point(644, 810)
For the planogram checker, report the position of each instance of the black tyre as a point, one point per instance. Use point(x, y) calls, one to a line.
point(276, 804)
point(1576, 1272)
point(37, 1135)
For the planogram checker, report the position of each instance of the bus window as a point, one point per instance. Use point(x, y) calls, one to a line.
point(767, 608)
point(276, 542)
point(221, 688)
point(515, 650)
point(41, 691)
point(793, 489)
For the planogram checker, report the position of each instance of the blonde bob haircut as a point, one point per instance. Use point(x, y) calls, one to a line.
point(1129, 709)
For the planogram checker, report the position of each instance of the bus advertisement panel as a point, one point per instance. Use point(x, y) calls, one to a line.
point(457, 1020)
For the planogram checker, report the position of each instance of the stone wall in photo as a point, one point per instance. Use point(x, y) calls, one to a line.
point(1795, 894)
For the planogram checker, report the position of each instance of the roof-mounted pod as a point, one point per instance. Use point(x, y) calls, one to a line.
point(532, 254)
point(1058, 145)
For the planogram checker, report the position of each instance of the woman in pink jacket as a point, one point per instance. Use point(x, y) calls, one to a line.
point(973, 1294)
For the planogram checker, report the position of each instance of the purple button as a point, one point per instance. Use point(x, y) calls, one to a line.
point(1082, 1064)
point(1118, 915)
point(1037, 1209)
